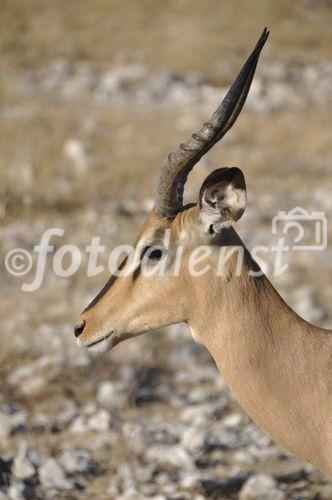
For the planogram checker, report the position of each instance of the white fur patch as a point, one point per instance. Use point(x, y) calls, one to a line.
point(104, 345)
point(192, 331)
point(231, 198)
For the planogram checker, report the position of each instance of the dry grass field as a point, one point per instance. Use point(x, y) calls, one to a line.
point(93, 96)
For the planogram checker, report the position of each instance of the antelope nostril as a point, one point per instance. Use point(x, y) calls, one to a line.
point(78, 329)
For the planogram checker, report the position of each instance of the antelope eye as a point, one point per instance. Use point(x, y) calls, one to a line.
point(153, 253)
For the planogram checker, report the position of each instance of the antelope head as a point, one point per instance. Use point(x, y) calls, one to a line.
point(154, 287)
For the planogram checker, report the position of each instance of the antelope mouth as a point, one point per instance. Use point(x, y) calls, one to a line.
point(105, 337)
point(102, 344)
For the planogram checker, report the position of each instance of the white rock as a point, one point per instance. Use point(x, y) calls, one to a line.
point(42, 365)
point(83, 80)
point(194, 439)
point(92, 419)
point(19, 420)
point(68, 414)
point(5, 425)
point(199, 395)
point(13, 422)
point(76, 151)
point(79, 424)
point(52, 476)
point(100, 422)
point(147, 205)
point(243, 458)
point(90, 409)
point(233, 420)
point(261, 487)
point(190, 480)
point(22, 175)
point(171, 456)
point(114, 487)
point(23, 467)
point(202, 414)
point(305, 305)
point(56, 74)
point(135, 436)
point(16, 491)
point(76, 461)
point(130, 494)
point(110, 396)
point(118, 79)
point(33, 386)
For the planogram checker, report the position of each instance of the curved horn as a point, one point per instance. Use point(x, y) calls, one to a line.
point(174, 172)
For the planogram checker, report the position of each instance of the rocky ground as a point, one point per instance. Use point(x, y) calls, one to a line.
point(82, 135)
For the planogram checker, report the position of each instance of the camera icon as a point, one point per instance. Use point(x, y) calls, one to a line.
point(303, 230)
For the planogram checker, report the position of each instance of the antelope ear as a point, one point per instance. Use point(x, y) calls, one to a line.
point(222, 199)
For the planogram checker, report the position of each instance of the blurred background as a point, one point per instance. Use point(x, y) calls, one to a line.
point(93, 96)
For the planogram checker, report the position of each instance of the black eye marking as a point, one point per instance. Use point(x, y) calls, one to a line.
point(153, 253)
point(156, 254)
point(108, 285)
point(137, 272)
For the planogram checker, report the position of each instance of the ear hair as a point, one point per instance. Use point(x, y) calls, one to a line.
point(222, 199)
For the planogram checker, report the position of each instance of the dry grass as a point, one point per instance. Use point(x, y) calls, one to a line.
point(127, 150)
point(187, 34)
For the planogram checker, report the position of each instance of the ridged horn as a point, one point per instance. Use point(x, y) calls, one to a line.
point(174, 172)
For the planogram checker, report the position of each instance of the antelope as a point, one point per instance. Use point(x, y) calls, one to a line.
point(278, 366)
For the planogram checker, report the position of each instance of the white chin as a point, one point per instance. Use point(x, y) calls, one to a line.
point(103, 346)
